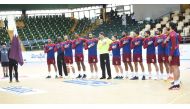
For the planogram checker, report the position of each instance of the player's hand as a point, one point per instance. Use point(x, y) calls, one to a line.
point(113, 47)
point(66, 46)
point(77, 42)
point(50, 48)
point(137, 43)
point(124, 42)
point(150, 42)
point(170, 58)
point(159, 40)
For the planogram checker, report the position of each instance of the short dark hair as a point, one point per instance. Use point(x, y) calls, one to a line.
point(173, 26)
point(148, 32)
point(159, 29)
point(3, 43)
point(115, 36)
point(102, 33)
point(137, 32)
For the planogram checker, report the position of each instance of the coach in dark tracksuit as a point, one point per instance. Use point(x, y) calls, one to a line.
point(60, 58)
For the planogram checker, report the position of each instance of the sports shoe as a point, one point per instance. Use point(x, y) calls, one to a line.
point(56, 76)
point(84, 76)
point(48, 77)
point(134, 78)
point(17, 81)
point(174, 87)
point(79, 76)
point(103, 78)
point(121, 77)
point(172, 83)
point(117, 77)
point(143, 78)
point(109, 78)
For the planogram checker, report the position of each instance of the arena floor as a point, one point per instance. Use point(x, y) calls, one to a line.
point(120, 91)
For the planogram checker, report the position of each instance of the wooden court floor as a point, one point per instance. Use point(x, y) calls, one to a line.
point(120, 91)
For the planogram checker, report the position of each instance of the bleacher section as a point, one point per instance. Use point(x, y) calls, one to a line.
point(38, 29)
point(34, 31)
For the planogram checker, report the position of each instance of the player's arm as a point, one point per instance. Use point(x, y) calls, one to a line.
point(110, 47)
point(179, 38)
point(173, 42)
point(73, 44)
point(132, 45)
point(145, 44)
point(86, 45)
point(45, 49)
point(121, 43)
point(55, 48)
point(155, 41)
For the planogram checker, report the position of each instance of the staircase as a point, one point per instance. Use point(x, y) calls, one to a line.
point(91, 27)
point(10, 32)
point(74, 26)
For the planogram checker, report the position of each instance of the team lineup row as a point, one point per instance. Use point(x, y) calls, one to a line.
point(166, 39)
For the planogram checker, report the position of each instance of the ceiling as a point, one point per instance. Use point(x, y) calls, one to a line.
point(19, 7)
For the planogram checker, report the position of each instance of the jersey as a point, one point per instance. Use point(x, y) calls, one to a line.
point(159, 42)
point(91, 45)
point(49, 49)
point(67, 48)
point(58, 48)
point(148, 43)
point(125, 44)
point(173, 44)
point(136, 45)
point(115, 47)
point(78, 45)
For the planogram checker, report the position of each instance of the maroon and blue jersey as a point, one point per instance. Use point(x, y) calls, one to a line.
point(136, 45)
point(159, 42)
point(125, 43)
point(92, 43)
point(58, 48)
point(50, 50)
point(115, 47)
point(78, 46)
point(67, 48)
point(173, 44)
point(149, 45)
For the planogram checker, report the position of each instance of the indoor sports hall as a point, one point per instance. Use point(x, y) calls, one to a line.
point(34, 24)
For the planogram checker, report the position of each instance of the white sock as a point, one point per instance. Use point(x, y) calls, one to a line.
point(176, 82)
point(127, 74)
point(80, 73)
point(132, 74)
point(117, 74)
point(49, 74)
point(143, 74)
point(136, 74)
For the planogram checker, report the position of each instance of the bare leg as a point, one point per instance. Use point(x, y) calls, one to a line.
point(95, 67)
point(149, 68)
point(83, 66)
point(131, 66)
point(156, 67)
point(142, 66)
point(167, 67)
point(121, 69)
point(91, 67)
point(78, 65)
point(136, 66)
point(126, 66)
point(161, 68)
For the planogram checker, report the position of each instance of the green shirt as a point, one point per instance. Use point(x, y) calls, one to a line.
point(103, 45)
